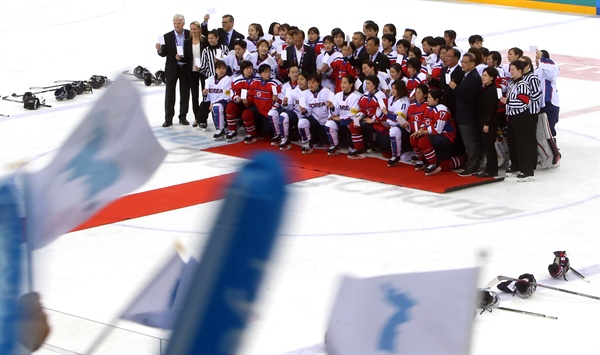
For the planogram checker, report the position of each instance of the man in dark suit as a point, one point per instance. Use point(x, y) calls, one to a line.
point(227, 35)
point(301, 54)
point(451, 67)
point(374, 55)
point(467, 99)
point(175, 70)
point(360, 53)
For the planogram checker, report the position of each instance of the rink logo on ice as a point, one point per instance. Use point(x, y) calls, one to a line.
point(403, 303)
point(95, 172)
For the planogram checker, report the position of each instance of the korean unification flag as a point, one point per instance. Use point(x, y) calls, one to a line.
point(419, 313)
point(160, 302)
point(112, 152)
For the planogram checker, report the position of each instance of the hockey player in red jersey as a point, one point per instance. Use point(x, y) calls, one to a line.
point(239, 100)
point(341, 66)
point(262, 97)
point(373, 120)
point(435, 135)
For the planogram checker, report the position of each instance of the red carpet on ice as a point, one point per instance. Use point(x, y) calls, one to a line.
point(300, 167)
point(371, 169)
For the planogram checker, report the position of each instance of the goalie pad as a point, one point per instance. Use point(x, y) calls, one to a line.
point(548, 154)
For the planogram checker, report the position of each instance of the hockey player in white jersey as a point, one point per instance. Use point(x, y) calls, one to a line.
point(290, 110)
point(217, 91)
point(315, 113)
point(344, 108)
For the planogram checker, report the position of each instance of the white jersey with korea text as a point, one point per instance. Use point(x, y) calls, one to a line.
point(218, 89)
point(316, 104)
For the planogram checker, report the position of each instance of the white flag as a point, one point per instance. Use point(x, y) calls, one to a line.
point(419, 313)
point(160, 302)
point(112, 152)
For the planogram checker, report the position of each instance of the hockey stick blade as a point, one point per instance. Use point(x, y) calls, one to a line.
point(492, 283)
point(551, 287)
point(3, 115)
point(527, 313)
point(580, 275)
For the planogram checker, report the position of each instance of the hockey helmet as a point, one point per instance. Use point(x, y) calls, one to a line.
point(30, 101)
point(560, 266)
point(525, 287)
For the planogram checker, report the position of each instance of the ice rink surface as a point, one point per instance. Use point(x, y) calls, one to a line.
point(334, 225)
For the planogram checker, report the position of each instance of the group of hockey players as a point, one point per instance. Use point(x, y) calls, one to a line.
point(372, 92)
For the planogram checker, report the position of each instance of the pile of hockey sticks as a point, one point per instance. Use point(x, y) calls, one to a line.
point(525, 285)
point(141, 73)
point(69, 89)
point(63, 90)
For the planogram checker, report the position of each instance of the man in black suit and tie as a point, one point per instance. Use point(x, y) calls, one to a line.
point(374, 55)
point(175, 70)
point(456, 73)
point(467, 100)
point(301, 54)
point(360, 53)
point(227, 35)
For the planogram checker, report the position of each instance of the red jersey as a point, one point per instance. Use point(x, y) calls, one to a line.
point(416, 115)
point(261, 95)
point(369, 105)
point(439, 121)
point(240, 83)
point(341, 67)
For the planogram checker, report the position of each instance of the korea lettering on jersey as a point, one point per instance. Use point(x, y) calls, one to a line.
point(416, 115)
point(439, 121)
point(219, 89)
point(346, 106)
point(397, 108)
point(261, 95)
point(316, 103)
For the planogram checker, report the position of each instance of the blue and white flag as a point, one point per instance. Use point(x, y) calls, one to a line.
point(160, 302)
point(11, 235)
point(112, 152)
point(419, 313)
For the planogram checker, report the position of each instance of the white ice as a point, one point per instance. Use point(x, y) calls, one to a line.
point(334, 225)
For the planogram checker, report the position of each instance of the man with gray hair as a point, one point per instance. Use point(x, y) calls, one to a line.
point(175, 69)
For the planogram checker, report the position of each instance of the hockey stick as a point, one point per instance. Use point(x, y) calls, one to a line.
point(37, 92)
point(7, 98)
point(551, 287)
point(44, 87)
point(3, 115)
point(580, 275)
point(527, 313)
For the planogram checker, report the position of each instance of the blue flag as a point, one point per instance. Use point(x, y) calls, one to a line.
point(216, 309)
point(11, 234)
